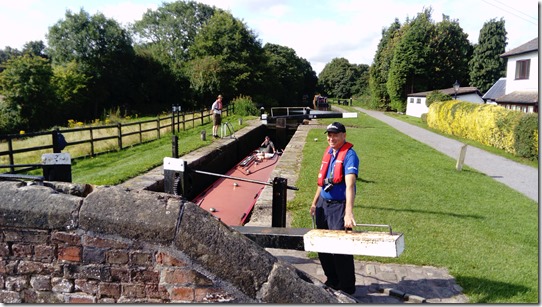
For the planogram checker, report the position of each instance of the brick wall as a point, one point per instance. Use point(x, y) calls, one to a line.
point(40, 266)
point(116, 245)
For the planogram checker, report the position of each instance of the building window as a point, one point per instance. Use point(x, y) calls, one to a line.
point(418, 100)
point(411, 100)
point(522, 69)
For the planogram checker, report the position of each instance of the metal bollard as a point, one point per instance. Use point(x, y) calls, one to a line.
point(175, 146)
point(240, 121)
point(203, 135)
point(278, 213)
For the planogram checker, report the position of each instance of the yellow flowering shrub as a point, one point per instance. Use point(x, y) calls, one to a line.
point(513, 131)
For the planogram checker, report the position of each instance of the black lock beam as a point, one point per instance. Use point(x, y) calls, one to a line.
point(275, 237)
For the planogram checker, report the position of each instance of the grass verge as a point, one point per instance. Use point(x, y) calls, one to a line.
point(483, 232)
point(118, 166)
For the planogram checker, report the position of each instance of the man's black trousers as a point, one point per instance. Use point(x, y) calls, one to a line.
point(339, 269)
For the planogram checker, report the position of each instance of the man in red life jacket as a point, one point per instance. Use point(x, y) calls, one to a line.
point(333, 204)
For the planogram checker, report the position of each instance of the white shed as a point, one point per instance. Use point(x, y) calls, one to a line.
point(416, 102)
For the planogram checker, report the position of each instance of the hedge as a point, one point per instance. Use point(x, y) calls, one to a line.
point(513, 131)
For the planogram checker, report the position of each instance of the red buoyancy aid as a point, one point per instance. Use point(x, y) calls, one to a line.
point(338, 173)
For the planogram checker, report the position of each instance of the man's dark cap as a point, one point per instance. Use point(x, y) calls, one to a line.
point(335, 127)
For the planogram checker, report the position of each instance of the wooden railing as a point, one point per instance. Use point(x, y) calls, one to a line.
point(89, 141)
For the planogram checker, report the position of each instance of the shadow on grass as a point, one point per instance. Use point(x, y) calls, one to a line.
point(428, 212)
point(365, 181)
point(488, 291)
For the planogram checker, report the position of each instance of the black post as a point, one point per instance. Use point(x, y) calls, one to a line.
point(175, 146)
point(178, 115)
point(173, 118)
point(278, 218)
point(56, 146)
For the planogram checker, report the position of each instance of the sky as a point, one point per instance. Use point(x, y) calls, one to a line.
point(318, 30)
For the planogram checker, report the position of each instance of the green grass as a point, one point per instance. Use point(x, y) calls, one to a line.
point(418, 122)
point(483, 232)
point(118, 166)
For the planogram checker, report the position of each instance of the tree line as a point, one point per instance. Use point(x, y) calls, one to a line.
point(421, 55)
point(186, 53)
point(183, 53)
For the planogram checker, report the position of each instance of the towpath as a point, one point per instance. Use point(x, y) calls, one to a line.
point(517, 176)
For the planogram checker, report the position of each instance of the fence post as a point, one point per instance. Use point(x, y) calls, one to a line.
point(202, 117)
point(119, 127)
point(91, 142)
point(140, 134)
point(173, 119)
point(11, 158)
point(178, 114)
point(54, 134)
point(158, 128)
point(184, 128)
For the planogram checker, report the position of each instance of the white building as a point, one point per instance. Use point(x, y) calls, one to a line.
point(416, 102)
point(521, 84)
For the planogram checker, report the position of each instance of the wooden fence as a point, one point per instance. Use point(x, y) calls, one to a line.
point(89, 141)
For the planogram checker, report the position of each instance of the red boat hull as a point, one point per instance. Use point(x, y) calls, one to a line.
point(231, 199)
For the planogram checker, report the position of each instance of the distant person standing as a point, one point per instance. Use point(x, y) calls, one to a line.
point(217, 115)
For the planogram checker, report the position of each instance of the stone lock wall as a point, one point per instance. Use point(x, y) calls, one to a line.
point(68, 243)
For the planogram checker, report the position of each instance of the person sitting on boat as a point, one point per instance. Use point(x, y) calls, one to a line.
point(267, 146)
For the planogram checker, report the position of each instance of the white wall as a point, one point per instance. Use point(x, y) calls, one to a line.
point(416, 106)
point(530, 84)
point(417, 109)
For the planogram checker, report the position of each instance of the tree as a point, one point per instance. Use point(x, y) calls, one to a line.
point(450, 53)
point(486, 65)
point(225, 57)
point(158, 87)
point(341, 79)
point(408, 71)
point(104, 51)
point(25, 85)
point(7, 54)
point(285, 76)
point(36, 48)
point(70, 85)
point(435, 96)
point(167, 33)
point(378, 72)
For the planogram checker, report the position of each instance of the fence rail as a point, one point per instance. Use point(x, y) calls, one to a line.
point(98, 139)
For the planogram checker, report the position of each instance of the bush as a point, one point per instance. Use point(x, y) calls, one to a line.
point(513, 131)
point(424, 118)
point(435, 96)
point(526, 136)
point(244, 106)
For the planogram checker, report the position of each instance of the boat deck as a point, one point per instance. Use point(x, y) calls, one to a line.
point(231, 200)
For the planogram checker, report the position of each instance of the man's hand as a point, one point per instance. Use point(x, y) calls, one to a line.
point(313, 210)
point(349, 221)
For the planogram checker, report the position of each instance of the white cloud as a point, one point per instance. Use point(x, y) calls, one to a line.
point(318, 30)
